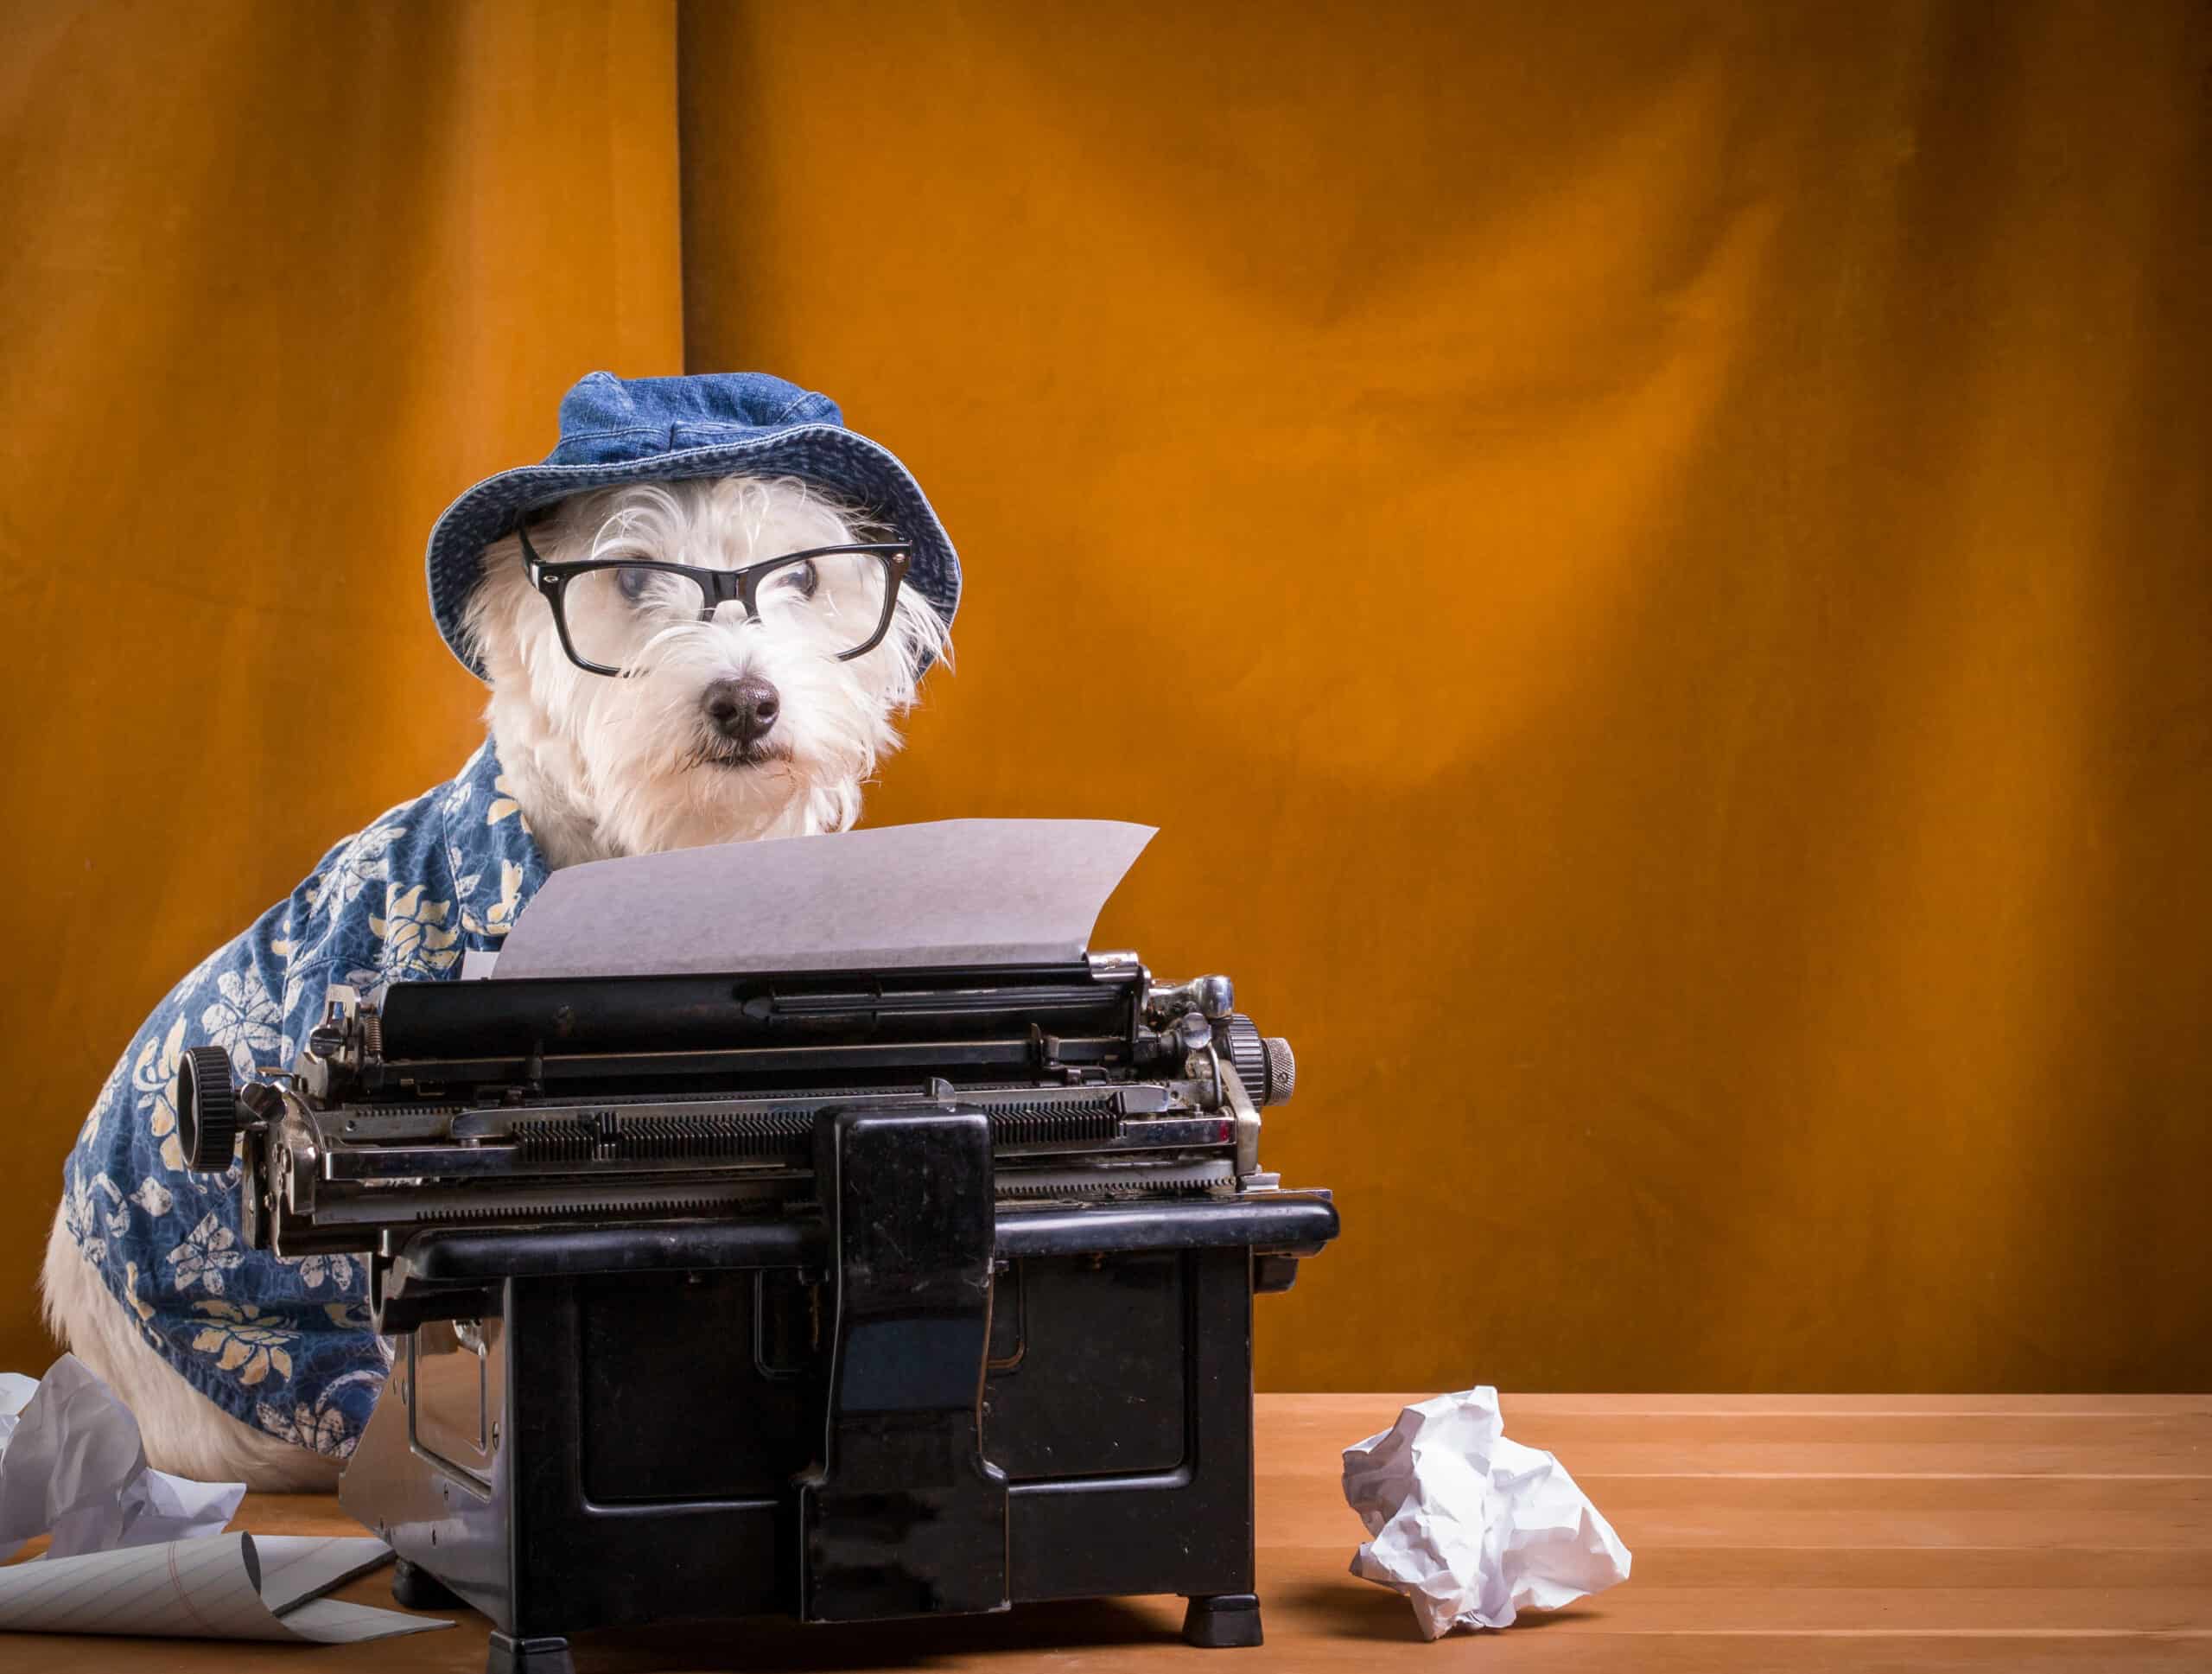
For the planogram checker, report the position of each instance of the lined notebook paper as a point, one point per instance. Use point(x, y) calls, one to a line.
point(226, 1587)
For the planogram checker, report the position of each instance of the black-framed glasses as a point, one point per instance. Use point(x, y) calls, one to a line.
point(610, 611)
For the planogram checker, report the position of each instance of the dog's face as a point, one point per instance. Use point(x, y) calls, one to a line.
point(720, 729)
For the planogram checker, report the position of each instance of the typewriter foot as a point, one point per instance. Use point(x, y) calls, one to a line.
point(1223, 1620)
point(417, 1589)
point(512, 1656)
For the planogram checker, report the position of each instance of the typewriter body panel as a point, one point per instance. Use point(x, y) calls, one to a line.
point(855, 1294)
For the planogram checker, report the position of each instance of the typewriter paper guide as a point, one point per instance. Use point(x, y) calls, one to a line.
point(955, 892)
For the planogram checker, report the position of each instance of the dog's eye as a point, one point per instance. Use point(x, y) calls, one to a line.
point(634, 583)
point(797, 579)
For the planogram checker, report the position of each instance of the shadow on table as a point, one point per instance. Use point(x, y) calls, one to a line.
point(768, 1644)
point(1359, 1610)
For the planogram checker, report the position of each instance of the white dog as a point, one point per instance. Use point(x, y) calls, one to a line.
point(753, 705)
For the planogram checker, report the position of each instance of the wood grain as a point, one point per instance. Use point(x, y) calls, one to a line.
point(1785, 1533)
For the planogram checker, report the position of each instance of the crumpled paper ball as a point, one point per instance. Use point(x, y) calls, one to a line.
point(1471, 1528)
point(72, 1462)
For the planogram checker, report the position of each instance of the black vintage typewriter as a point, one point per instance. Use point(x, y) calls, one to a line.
point(859, 1294)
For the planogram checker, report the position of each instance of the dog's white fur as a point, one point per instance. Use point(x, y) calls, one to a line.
point(601, 767)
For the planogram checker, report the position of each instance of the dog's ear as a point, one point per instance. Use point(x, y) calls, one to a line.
point(491, 623)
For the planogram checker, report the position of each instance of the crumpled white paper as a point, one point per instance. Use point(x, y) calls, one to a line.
point(1473, 1527)
point(72, 1461)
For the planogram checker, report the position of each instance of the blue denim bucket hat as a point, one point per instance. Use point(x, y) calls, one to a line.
point(617, 431)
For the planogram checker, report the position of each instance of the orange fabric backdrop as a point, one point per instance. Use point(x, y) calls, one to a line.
point(279, 280)
point(1650, 561)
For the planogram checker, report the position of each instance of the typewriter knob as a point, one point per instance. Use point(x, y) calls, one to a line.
point(1263, 1063)
point(207, 1109)
point(1213, 998)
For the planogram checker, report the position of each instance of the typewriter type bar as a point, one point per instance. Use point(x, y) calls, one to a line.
point(850, 1294)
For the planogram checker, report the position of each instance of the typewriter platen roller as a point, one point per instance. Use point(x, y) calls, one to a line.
point(858, 1295)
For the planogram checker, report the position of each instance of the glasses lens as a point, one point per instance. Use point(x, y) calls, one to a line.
point(835, 599)
point(614, 614)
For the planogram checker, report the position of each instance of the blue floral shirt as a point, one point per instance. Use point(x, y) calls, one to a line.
point(285, 1345)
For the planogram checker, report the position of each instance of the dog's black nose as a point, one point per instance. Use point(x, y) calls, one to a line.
point(743, 711)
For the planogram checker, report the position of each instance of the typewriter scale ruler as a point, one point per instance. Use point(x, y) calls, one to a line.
point(741, 1135)
point(505, 1163)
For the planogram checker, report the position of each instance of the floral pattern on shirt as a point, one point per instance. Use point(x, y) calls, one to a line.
point(243, 1342)
point(209, 1250)
point(153, 1077)
point(341, 1273)
point(284, 1345)
point(243, 1020)
point(364, 861)
point(92, 1221)
point(418, 945)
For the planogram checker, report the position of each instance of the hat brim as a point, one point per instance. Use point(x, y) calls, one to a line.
point(842, 460)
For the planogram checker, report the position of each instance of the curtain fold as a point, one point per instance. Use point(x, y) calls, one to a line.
point(1650, 561)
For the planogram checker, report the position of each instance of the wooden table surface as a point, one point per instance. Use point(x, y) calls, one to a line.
point(1862, 1532)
